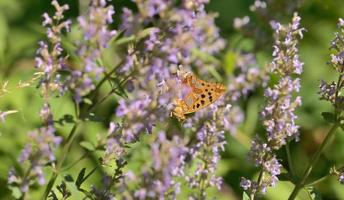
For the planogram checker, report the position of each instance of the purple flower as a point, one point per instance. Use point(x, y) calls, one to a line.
point(38, 152)
point(167, 164)
point(245, 183)
point(341, 178)
point(331, 91)
point(50, 59)
point(96, 37)
point(206, 154)
point(278, 113)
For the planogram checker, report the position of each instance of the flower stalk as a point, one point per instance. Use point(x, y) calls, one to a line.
point(312, 163)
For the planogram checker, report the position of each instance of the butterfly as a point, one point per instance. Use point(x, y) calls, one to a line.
point(201, 95)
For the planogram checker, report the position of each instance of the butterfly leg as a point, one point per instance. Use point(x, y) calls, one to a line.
point(178, 111)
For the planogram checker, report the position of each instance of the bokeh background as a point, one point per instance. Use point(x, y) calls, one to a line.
point(20, 30)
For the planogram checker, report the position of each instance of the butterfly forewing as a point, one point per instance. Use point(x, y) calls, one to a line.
point(202, 94)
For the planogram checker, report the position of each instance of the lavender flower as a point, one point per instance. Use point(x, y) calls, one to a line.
point(168, 163)
point(337, 56)
point(42, 142)
point(206, 154)
point(331, 91)
point(240, 22)
point(170, 43)
point(278, 113)
point(279, 117)
point(341, 178)
point(158, 178)
point(137, 115)
point(96, 37)
point(248, 78)
point(50, 59)
point(38, 152)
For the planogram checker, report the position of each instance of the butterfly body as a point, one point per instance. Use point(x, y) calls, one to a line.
point(201, 95)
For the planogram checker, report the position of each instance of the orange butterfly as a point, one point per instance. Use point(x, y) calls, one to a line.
point(202, 94)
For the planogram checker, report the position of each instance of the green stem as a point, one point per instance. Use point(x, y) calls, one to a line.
point(311, 164)
point(75, 162)
point(65, 151)
point(290, 162)
point(317, 181)
point(260, 179)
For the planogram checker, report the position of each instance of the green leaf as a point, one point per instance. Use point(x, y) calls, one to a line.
point(68, 178)
point(118, 85)
point(118, 36)
point(145, 32)
point(125, 40)
point(16, 193)
point(68, 118)
point(313, 193)
point(284, 177)
point(80, 178)
point(329, 117)
point(94, 118)
point(229, 62)
point(3, 35)
point(245, 196)
point(53, 196)
point(87, 145)
point(87, 101)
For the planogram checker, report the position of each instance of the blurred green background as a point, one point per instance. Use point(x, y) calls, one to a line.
point(20, 30)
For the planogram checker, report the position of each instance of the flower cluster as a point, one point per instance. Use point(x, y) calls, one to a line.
point(159, 178)
point(50, 59)
point(265, 11)
point(278, 113)
point(223, 116)
point(37, 153)
point(332, 91)
point(206, 154)
point(179, 32)
point(248, 78)
point(96, 37)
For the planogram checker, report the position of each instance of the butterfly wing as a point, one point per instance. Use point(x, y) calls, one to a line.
point(202, 94)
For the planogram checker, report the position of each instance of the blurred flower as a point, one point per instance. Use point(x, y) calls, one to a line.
point(332, 91)
point(158, 180)
point(158, 176)
point(249, 76)
point(171, 33)
point(38, 152)
point(258, 5)
point(240, 22)
point(341, 178)
point(96, 37)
